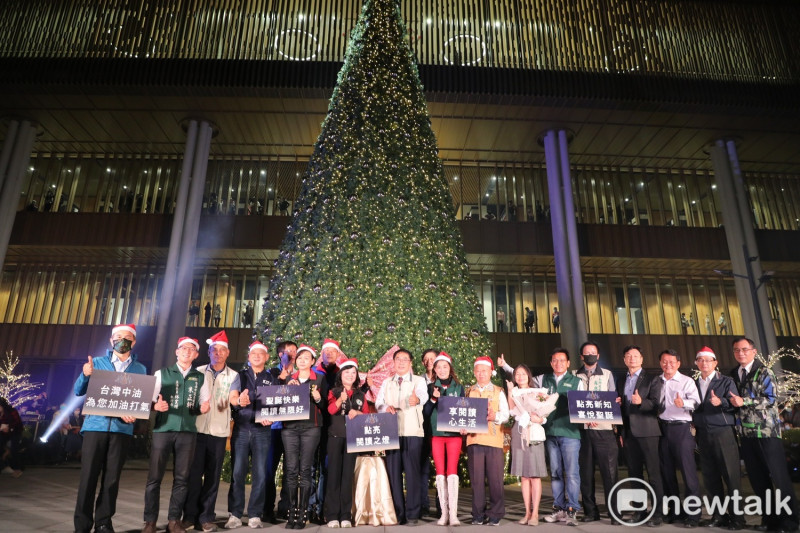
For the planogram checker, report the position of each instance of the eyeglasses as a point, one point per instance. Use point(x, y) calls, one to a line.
point(403, 359)
point(742, 350)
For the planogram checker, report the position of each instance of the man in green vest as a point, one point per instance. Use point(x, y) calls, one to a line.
point(563, 442)
point(179, 398)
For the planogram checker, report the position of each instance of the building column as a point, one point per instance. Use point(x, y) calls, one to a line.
point(14, 159)
point(569, 280)
point(742, 247)
point(173, 308)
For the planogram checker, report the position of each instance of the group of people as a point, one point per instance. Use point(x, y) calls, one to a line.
point(195, 406)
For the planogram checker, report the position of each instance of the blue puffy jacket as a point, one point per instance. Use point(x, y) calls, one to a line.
point(106, 423)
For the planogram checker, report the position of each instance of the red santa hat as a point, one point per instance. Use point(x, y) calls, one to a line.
point(484, 360)
point(257, 345)
point(130, 328)
point(348, 362)
point(443, 357)
point(219, 338)
point(705, 351)
point(330, 343)
point(188, 340)
point(306, 348)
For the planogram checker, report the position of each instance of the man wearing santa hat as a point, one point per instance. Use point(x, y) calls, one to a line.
point(249, 439)
point(179, 398)
point(213, 429)
point(105, 439)
point(714, 419)
point(485, 457)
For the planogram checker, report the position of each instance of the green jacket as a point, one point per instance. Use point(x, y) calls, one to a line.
point(430, 409)
point(558, 424)
point(183, 396)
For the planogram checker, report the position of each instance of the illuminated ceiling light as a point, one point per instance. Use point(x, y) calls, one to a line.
point(694, 202)
point(108, 169)
point(487, 195)
point(31, 169)
point(124, 186)
point(53, 186)
point(428, 21)
point(455, 178)
point(263, 172)
point(714, 186)
point(269, 190)
point(497, 24)
point(494, 177)
point(301, 16)
point(315, 49)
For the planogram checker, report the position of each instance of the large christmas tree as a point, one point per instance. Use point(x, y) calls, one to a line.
point(373, 256)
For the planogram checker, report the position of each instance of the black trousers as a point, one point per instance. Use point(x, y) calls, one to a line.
point(300, 446)
point(273, 460)
point(598, 448)
point(203, 483)
point(405, 460)
point(676, 449)
point(424, 476)
point(485, 463)
point(164, 443)
point(339, 492)
point(641, 452)
point(102, 457)
point(765, 460)
point(719, 462)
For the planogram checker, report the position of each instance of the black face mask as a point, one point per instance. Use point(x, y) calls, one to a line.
point(123, 346)
point(590, 359)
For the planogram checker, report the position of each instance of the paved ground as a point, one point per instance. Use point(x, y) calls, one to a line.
point(43, 499)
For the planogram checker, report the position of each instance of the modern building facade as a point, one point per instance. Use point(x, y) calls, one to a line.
point(635, 165)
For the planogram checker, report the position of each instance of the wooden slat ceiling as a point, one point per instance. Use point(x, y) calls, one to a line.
point(288, 126)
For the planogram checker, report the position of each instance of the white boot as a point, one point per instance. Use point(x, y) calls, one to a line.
point(452, 490)
point(441, 491)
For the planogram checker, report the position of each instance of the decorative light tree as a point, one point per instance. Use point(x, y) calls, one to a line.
point(373, 256)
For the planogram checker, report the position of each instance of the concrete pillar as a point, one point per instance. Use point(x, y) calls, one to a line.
point(183, 242)
point(14, 159)
point(569, 282)
point(742, 247)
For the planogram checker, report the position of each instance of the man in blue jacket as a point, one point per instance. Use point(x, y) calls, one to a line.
point(105, 439)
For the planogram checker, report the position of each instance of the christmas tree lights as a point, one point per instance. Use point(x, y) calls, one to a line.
point(373, 256)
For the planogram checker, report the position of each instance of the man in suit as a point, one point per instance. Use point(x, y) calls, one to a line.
point(714, 420)
point(759, 426)
point(640, 397)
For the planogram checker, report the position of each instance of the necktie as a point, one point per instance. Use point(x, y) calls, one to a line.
point(400, 381)
point(742, 375)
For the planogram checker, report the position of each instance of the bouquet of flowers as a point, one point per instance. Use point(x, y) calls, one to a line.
point(532, 401)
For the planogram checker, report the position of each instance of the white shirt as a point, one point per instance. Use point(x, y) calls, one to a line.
point(684, 386)
point(119, 364)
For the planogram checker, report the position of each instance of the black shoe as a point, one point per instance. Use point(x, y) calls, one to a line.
point(691, 523)
point(760, 527)
point(671, 518)
point(271, 518)
point(655, 521)
point(716, 521)
point(104, 529)
point(590, 518)
point(412, 522)
point(300, 523)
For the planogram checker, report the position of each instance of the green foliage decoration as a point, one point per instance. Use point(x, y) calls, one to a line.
point(373, 256)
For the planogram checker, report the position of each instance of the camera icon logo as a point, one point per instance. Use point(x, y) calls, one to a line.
point(632, 495)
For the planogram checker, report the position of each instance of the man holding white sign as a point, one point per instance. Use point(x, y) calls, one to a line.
point(105, 439)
